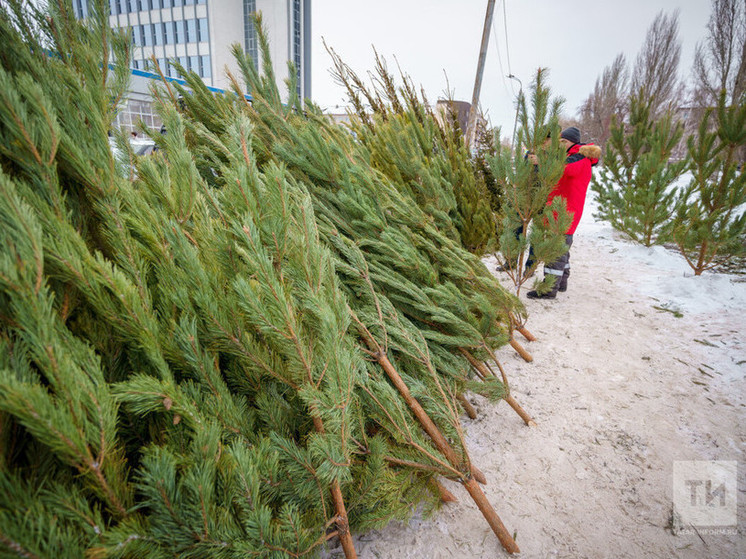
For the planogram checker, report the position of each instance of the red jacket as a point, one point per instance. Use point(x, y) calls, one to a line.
point(573, 184)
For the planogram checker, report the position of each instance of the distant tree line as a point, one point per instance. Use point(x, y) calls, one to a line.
point(674, 151)
point(719, 65)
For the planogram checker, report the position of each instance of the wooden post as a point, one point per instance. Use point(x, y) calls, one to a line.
point(471, 125)
point(468, 408)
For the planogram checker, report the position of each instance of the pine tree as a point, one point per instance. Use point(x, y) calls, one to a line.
point(710, 222)
point(183, 362)
point(158, 305)
point(527, 220)
point(423, 156)
point(636, 186)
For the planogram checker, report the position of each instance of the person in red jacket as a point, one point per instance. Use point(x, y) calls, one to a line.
point(572, 186)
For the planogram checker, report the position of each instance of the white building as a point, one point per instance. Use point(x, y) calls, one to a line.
point(199, 35)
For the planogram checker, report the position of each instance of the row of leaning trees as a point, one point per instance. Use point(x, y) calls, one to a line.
point(254, 341)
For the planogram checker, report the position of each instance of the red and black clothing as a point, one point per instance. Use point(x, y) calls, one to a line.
point(572, 186)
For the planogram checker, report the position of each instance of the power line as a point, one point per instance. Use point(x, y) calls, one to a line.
point(500, 62)
point(507, 48)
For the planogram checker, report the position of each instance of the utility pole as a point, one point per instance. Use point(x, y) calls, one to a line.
point(472, 123)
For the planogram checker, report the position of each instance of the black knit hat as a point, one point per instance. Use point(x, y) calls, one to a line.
point(571, 134)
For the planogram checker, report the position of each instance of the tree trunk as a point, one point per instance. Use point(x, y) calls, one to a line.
point(343, 525)
point(485, 372)
point(468, 408)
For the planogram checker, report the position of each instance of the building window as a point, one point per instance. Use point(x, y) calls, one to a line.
point(168, 32)
point(193, 64)
point(250, 44)
point(132, 111)
point(297, 22)
point(204, 67)
point(202, 34)
point(179, 36)
point(157, 31)
point(164, 66)
point(80, 7)
point(191, 31)
point(146, 36)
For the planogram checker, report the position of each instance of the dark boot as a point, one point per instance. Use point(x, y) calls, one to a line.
point(563, 281)
point(551, 294)
point(506, 266)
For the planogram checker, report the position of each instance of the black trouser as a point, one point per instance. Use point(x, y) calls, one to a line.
point(561, 267)
point(530, 261)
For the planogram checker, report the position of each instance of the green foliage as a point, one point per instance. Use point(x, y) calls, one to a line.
point(710, 220)
point(636, 184)
point(526, 218)
point(423, 156)
point(184, 348)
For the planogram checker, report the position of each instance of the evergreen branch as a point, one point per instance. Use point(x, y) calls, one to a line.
point(408, 436)
point(17, 548)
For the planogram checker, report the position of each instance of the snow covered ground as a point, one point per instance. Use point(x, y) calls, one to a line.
point(640, 364)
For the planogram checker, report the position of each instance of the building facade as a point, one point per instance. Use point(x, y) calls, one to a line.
point(199, 35)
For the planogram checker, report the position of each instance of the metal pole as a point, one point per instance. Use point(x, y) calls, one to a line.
point(471, 125)
point(515, 122)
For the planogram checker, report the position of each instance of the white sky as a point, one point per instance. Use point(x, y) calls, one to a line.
point(576, 41)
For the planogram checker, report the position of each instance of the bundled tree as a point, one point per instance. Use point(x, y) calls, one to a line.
point(181, 367)
point(444, 291)
point(636, 184)
point(424, 156)
point(527, 219)
point(710, 220)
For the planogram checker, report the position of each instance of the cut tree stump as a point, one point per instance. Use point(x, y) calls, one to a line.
point(521, 350)
point(526, 334)
point(445, 495)
point(484, 371)
point(468, 408)
point(469, 482)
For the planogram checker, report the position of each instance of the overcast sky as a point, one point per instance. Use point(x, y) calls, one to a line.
point(435, 38)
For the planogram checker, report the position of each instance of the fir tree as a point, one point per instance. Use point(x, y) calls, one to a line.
point(710, 222)
point(636, 184)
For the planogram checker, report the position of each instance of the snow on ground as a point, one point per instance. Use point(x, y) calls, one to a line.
point(638, 365)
